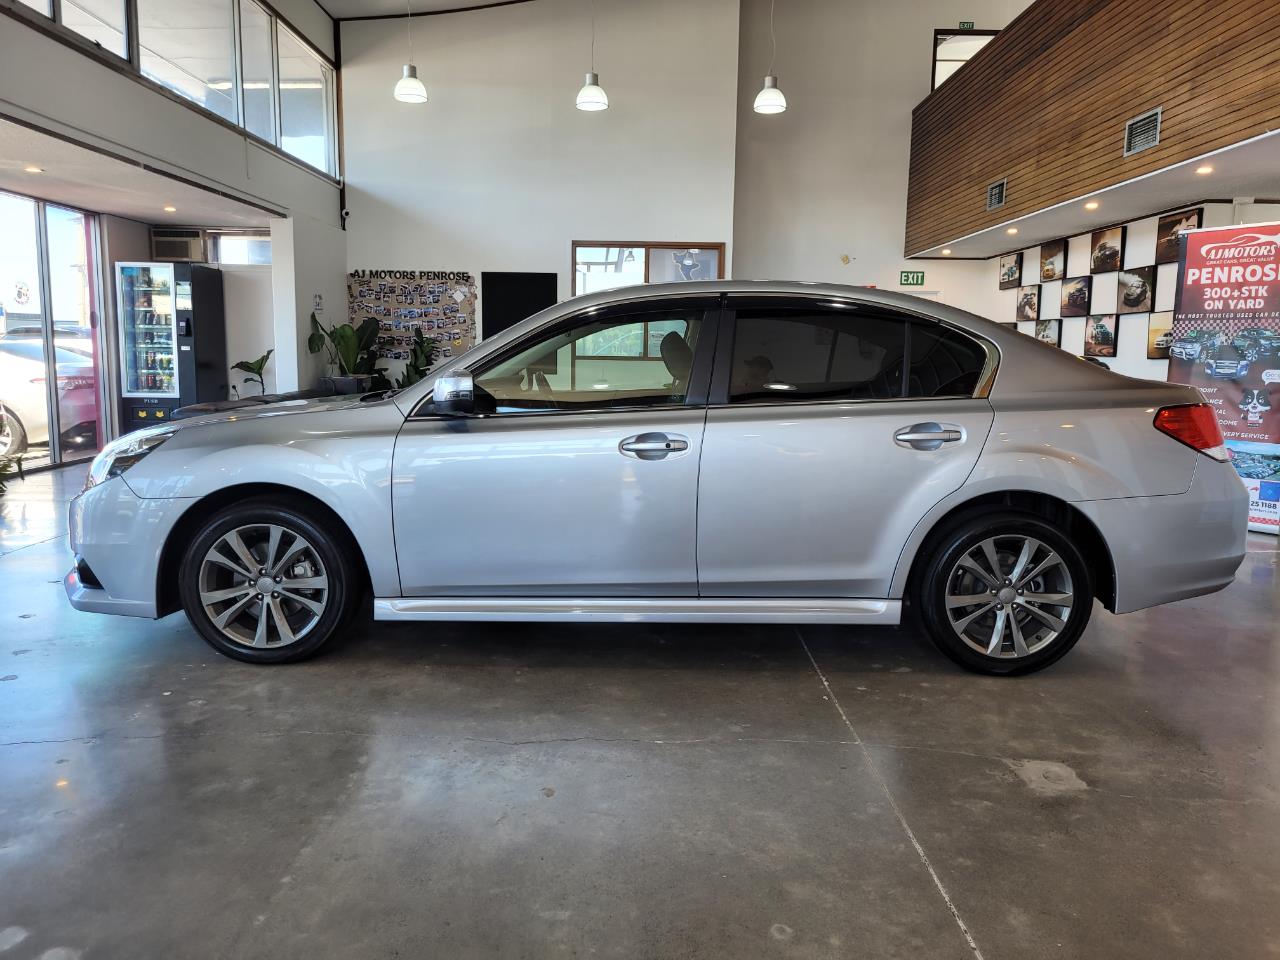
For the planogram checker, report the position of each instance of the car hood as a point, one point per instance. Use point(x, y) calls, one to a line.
point(281, 408)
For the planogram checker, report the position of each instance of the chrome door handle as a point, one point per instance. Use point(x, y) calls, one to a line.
point(928, 436)
point(652, 446)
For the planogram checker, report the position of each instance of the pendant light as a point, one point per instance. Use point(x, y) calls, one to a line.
point(409, 89)
point(770, 98)
point(592, 96)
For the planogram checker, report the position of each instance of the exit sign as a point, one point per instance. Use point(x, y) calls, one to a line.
point(911, 278)
point(966, 24)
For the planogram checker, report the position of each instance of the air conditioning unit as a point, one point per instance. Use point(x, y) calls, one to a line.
point(171, 244)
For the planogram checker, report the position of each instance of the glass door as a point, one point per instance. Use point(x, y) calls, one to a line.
point(24, 399)
point(148, 329)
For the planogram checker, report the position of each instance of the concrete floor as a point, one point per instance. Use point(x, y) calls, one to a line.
point(637, 792)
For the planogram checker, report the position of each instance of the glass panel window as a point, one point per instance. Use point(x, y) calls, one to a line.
point(599, 363)
point(801, 355)
point(232, 248)
point(24, 400)
point(102, 21)
point(306, 103)
point(258, 71)
point(672, 264)
point(71, 291)
point(188, 46)
point(43, 6)
point(944, 363)
point(953, 51)
point(607, 268)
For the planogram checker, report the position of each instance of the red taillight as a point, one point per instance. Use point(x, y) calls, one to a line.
point(1196, 425)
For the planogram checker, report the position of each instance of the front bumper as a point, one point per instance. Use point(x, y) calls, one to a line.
point(1173, 547)
point(120, 537)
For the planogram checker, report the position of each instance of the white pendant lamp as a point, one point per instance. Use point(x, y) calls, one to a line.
point(592, 96)
point(770, 98)
point(409, 89)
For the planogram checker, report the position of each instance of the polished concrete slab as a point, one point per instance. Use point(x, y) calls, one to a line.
point(642, 792)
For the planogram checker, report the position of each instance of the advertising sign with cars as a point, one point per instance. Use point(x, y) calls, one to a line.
point(1226, 341)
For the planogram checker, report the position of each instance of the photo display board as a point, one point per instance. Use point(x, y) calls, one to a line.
point(440, 303)
point(1226, 342)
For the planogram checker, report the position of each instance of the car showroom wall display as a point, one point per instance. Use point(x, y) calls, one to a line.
point(1226, 341)
point(440, 303)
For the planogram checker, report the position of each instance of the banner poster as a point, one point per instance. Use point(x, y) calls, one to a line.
point(440, 303)
point(1226, 342)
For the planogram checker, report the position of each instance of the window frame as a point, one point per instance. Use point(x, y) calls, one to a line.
point(131, 67)
point(728, 328)
point(648, 246)
point(949, 32)
point(704, 353)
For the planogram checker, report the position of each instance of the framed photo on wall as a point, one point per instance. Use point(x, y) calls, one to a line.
point(1137, 293)
point(1076, 296)
point(1106, 250)
point(1049, 331)
point(1159, 335)
point(1100, 335)
point(1028, 303)
point(1053, 260)
point(1170, 229)
point(1010, 271)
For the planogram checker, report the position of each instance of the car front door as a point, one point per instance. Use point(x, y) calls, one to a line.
point(582, 481)
point(832, 429)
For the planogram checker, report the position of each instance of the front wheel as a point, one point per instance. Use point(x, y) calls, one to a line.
point(1004, 593)
point(266, 582)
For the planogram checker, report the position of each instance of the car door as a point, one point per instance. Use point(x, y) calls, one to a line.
point(832, 429)
point(583, 482)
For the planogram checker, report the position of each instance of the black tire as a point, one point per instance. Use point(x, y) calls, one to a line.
point(13, 436)
point(939, 560)
point(332, 548)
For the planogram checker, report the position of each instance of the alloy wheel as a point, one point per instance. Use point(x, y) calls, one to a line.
point(1009, 596)
point(263, 585)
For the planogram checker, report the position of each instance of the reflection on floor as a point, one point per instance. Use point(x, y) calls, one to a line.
point(631, 791)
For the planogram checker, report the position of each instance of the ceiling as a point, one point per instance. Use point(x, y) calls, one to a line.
point(79, 177)
point(1250, 169)
point(346, 9)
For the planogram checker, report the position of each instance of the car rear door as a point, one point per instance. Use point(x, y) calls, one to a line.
point(583, 482)
point(832, 429)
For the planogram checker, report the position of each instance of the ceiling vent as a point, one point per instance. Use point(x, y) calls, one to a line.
point(995, 194)
point(178, 245)
point(1142, 133)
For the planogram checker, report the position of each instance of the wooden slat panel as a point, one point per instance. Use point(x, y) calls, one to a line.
point(1045, 104)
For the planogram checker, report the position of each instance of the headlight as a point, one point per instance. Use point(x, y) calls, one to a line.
point(119, 455)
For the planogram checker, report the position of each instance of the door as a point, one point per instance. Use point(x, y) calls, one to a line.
point(831, 432)
point(582, 481)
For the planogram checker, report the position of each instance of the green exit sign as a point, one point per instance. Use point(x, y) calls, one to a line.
point(911, 278)
point(966, 24)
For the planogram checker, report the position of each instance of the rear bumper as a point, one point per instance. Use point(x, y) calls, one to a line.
point(1174, 547)
point(120, 538)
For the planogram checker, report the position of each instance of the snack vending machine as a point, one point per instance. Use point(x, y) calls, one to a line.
point(173, 342)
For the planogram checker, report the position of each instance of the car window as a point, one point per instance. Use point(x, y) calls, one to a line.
point(794, 355)
point(641, 359)
point(944, 363)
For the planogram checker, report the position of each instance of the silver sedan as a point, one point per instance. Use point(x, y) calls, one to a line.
point(705, 452)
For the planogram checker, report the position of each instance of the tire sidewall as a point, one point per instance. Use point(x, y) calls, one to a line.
point(338, 568)
point(930, 598)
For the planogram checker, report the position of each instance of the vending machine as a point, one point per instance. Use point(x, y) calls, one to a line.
point(173, 342)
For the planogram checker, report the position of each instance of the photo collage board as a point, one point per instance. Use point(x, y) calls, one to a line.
point(1111, 284)
point(440, 303)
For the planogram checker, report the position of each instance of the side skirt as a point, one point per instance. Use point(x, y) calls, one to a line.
point(632, 610)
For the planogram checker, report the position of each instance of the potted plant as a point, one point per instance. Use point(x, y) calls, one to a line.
point(254, 368)
point(352, 352)
point(422, 354)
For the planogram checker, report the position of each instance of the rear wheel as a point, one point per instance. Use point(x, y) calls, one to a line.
point(1004, 593)
point(265, 582)
point(13, 438)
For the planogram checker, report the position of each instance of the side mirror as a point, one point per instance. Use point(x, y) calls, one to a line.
point(453, 394)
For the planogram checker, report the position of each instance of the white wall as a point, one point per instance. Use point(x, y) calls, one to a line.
point(247, 293)
point(308, 260)
point(311, 21)
point(828, 178)
point(57, 88)
point(499, 171)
